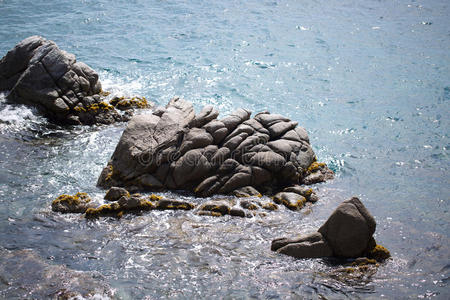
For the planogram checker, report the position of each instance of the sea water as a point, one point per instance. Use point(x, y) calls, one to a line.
point(369, 80)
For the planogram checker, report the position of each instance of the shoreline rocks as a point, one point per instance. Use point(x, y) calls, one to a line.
point(39, 74)
point(176, 149)
point(347, 234)
point(121, 202)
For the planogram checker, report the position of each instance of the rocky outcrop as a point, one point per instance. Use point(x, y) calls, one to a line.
point(176, 149)
point(347, 233)
point(37, 73)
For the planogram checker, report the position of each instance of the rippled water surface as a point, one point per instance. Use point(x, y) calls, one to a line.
point(370, 80)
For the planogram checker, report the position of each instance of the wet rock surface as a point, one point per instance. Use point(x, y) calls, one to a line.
point(176, 149)
point(347, 233)
point(39, 74)
point(25, 275)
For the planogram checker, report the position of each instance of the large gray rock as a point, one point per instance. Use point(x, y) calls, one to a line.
point(37, 73)
point(174, 148)
point(347, 233)
point(349, 229)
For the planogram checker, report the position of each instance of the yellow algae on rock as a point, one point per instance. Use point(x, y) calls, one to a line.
point(379, 253)
point(71, 204)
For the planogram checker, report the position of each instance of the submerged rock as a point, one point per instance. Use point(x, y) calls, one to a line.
point(25, 275)
point(115, 193)
point(347, 233)
point(176, 149)
point(37, 73)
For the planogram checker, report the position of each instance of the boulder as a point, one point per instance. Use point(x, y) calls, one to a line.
point(347, 233)
point(175, 148)
point(39, 74)
point(349, 229)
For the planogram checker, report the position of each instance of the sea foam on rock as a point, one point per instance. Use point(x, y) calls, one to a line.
point(39, 74)
point(347, 233)
point(175, 148)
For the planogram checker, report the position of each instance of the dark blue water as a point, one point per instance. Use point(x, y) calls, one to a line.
point(370, 80)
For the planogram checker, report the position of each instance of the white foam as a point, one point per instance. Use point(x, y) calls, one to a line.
point(17, 117)
point(125, 86)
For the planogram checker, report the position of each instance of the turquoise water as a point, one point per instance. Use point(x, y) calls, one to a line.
point(370, 81)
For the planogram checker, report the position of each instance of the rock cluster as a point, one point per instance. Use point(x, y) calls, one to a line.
point(37, 73)
point(176, 149)
point(347, 233)
point(120, 202)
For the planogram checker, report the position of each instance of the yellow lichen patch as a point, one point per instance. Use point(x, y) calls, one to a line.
point(99, 106)
point(72, 200)
point(110, 173)
point(79, 109)
point(294, 206)
point(103, 210)
point(104, 93)
point(163, 204)
point(259, 195)
point(270, 206)
point(349, 270)
point(252, 206)
point(364, 261)
point(146, 205)
point(209, 213)
point(308, 192)
point(123, 103)
point(315, 166)
point(379, 253)
point(154, 197)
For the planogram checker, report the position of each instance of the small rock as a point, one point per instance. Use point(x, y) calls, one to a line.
point(250, 204)
point(115, 193)
point(246, 191)
point(237, 212)
point(77, 203)
point(164, 204)
point(304, 191)
point(217, 206)
point(292, 201)
point(269, 206)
